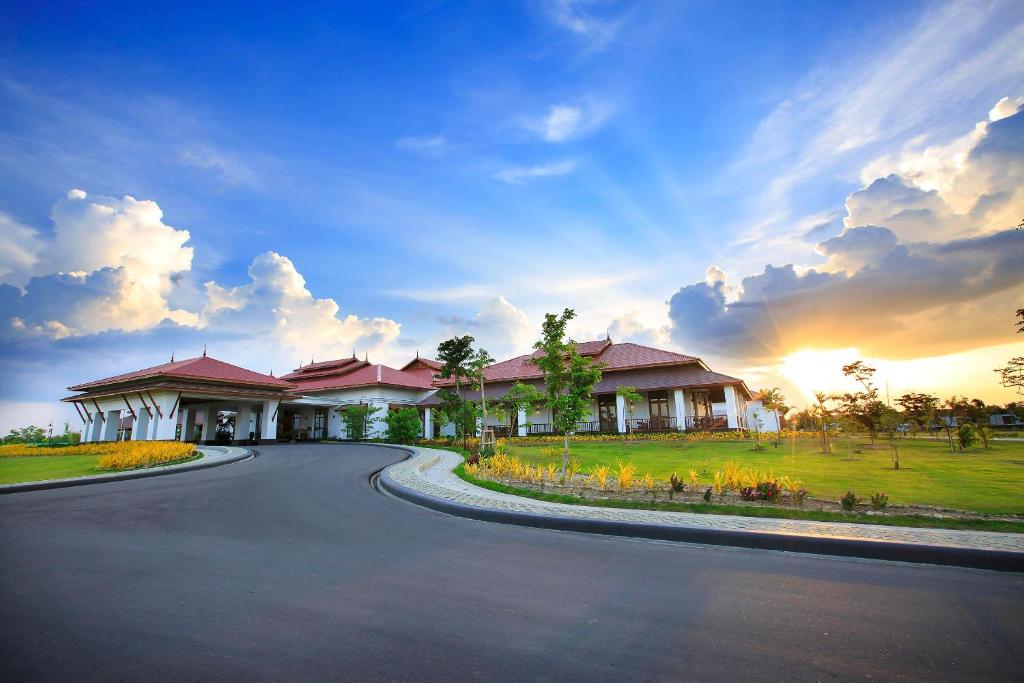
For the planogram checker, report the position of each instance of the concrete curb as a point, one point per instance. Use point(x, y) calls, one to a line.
point(205, 462)
point(975, 558)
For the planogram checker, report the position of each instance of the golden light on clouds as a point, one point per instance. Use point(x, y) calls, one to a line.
point(969, 373)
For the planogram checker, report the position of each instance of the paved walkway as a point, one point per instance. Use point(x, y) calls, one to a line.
point(429, 472)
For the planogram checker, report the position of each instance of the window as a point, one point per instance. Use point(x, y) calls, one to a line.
point(657, 401)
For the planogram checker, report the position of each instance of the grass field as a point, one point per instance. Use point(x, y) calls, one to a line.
point(980, 480)
point(39, 468)
point(20, 463)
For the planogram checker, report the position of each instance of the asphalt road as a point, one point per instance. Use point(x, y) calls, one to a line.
point(291, 566)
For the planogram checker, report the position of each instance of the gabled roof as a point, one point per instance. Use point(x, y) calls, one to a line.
point(429, 362)
point(613, 357)
point(322, 367)
point(368, 375)
point(203, 367)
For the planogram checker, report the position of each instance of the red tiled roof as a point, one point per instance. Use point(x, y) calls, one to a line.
point(429, 362)
point(203, 367)
point(366, 376)
point(613, 356)
point(321, 367)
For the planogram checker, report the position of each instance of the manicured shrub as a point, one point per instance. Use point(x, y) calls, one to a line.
point(675, 485)
point(133, 454)
point(849, 500)
point(968, 435)
point(707, 495)
point(879, 500)
point(768, 490)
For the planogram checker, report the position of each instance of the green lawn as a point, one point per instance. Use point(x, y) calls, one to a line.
point(40, 467)
point(980, 480)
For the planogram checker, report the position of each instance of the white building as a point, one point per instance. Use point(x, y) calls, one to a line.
point(184, 399)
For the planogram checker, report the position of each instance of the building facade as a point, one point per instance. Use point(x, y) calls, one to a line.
point(190, 399)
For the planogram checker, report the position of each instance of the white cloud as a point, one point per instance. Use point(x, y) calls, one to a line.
point(114, 265)
point(519, 174)
point(19, 249)
point(110, 265)
point(229, 168)
point(912, 272)
point(564, 122)
point(575, 16)
point(629, 327)
point(499, 326)
point(277, 308)
point(433, 145)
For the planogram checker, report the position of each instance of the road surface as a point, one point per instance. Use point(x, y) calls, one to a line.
point(291, 566)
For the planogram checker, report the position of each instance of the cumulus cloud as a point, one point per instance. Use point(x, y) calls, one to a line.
point(110, 265)
point(19, 251)
point(277, 306)
point(973, 184)
point(630, 328)
point(520, 174)
point(499, 326)
point(113, 265)
point(916, 269)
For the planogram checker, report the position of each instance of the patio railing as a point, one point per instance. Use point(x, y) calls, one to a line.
point(707, 423)
point(651, 424)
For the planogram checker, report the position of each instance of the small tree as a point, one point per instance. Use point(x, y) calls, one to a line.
point(520, 397)
point(460, 413)
point(823, 414)
point(569, 378)
point(480, 360)
point(358, 420)
point(403, 425)
point(918, 409)
point(773, 400)
point(630, 396)
point(863, 406)
point(956, 407)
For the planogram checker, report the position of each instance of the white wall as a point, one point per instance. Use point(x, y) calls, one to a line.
point(767, 417)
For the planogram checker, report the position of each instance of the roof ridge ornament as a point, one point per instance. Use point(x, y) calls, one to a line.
point(172, 356)
point(204, 350)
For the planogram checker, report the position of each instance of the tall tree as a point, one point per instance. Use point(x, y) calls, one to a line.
point(1012, 376)
point(477, 363)
point(773, 400)
point(917, 408)
point(456, 356)
point(569, 378)
point(863, 406)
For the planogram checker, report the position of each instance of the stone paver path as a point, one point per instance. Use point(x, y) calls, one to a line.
point(430, 472)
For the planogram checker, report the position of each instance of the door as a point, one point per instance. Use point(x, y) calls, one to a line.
point(657, 405)
point(606, 413)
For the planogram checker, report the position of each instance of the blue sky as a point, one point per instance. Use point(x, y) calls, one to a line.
point(435, 168)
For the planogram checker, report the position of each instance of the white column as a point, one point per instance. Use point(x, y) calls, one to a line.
point(164, 422)
point(270, 416)
point(140, 430)
point(730, 406)
point(428, 423)
point(112, 418)
point(210, 423)
point(243, 419)
point(86, 431)
point(521, 423)
point(188, 423)
point(96, 427)
point(378, 427)
point(680, 401)
point(335, 425)
point(620, 413)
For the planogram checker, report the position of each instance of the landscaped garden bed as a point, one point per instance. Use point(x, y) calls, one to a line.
point(979, 489)
point(26, 462)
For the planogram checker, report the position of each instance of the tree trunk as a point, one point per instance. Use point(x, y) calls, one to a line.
point(565, 453)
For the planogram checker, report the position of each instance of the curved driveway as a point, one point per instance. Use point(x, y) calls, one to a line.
point(291, 566)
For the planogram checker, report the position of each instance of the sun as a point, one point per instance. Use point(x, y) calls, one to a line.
point(812, 370)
